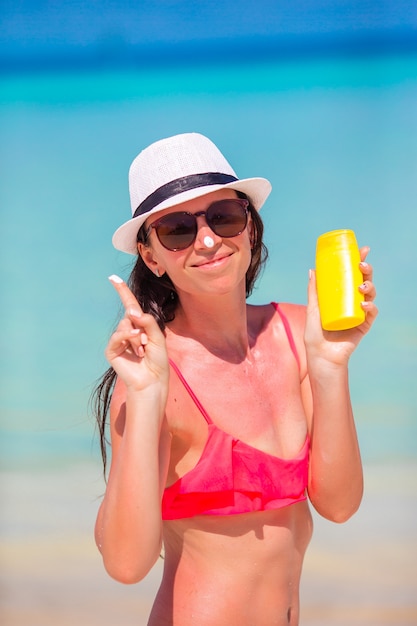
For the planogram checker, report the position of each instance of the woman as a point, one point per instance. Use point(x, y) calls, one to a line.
point(224, 415)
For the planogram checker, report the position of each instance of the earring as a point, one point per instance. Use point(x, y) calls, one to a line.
point(158, 275)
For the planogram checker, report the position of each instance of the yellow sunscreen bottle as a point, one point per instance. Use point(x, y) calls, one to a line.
point(338, 278)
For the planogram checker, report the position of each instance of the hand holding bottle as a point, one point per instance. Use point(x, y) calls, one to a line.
point(336, 346)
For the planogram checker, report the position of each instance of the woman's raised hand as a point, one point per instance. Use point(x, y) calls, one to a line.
point(337, 346)
point(137, 350)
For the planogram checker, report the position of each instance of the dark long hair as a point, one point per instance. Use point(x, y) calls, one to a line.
point(159, 297)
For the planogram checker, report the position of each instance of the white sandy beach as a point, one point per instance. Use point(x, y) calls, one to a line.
point(360, 573)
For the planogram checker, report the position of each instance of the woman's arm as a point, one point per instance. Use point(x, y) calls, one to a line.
point(335, 480)
point(129, 525)
point(335, 477)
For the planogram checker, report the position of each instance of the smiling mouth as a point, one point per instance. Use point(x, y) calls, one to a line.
point(213, 261)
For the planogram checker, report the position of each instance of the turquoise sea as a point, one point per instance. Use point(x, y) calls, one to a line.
point(336, 136)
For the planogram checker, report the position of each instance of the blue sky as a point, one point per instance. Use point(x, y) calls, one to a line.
point(33, 29)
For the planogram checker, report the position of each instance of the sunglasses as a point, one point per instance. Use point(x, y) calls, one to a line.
point(177, 231)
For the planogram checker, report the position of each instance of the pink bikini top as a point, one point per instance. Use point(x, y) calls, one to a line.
point(233, 477)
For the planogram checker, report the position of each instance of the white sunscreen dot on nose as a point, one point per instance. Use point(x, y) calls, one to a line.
point(208, 241)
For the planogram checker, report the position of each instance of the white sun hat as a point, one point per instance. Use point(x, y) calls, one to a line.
point(174, 170)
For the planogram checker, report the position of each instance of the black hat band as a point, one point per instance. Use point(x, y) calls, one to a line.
point(179, 185)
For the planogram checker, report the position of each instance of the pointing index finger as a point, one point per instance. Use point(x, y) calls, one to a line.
point(126, 296)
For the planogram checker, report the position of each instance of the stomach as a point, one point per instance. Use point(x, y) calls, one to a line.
point(242, 569)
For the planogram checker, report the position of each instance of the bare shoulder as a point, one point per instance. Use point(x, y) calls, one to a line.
point(269, 315)
point(279, 322)
point(295, 314)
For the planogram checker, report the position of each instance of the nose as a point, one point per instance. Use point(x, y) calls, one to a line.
point(206, 237)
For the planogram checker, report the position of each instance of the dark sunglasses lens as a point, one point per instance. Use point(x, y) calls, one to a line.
point(227, 218)
point(177, 231)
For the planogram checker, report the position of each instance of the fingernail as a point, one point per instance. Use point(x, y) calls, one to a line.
point(364, 264)
point(115, 279)
point(310, 273)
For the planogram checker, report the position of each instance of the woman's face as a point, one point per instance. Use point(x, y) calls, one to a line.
point(211, 264)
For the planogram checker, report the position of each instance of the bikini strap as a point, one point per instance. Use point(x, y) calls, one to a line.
point(191, 392)
point(288, 332)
